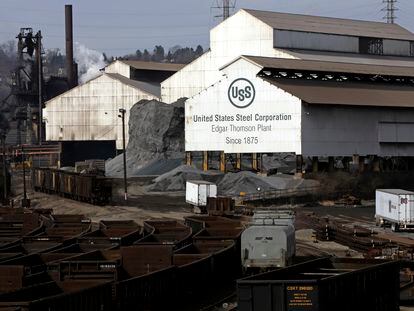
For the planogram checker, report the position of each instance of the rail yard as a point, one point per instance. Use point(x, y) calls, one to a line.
point(271, 171)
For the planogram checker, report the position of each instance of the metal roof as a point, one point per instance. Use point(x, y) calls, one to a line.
point(286, 21)
point(313, 65)
point(347, 93)
point(153, 65)
point(153, 89)
point(381, 60)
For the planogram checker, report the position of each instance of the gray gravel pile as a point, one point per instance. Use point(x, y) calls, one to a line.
point(176, 179)
point(156, 140)
point(249, 182)
point(228, 184)
point(282, 162)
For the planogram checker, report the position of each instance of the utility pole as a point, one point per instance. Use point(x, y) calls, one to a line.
point(226, 9)
point(3, 141)
point(122, 116)
point(225, 5)
point(390, 11)
point(25, 201)
point(39, 61)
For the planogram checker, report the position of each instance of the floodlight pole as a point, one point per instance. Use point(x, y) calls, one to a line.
point(122, 116)
point(3, 140)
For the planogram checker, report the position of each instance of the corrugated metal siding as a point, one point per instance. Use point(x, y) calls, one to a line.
point(90, 111)
point(282, 136)
point(345, 131)
point(118, 67)
point(397, 47)
point(239, 34)
point(315, 41)
point(396, 132)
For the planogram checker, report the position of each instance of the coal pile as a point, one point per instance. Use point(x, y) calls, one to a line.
point(248, 182)
point(156, 140)
point(175, 180)
point(228, 184)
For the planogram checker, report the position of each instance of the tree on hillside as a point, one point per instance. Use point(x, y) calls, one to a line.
point(158, 54)
point(199, 50)
point(176, 54)
point(146, 57)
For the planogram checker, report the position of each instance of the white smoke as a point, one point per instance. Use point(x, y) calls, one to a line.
point(89, 62)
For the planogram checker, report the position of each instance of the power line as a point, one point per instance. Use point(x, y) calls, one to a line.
point(390, 11)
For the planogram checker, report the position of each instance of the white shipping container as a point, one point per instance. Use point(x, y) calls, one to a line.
point(396, 207)
point(197, 192)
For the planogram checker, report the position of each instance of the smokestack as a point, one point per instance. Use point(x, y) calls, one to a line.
point(69, 46)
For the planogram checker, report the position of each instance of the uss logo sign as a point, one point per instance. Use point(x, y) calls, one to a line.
point(241, 93)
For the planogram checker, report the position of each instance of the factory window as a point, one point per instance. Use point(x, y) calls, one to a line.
point(370, 46)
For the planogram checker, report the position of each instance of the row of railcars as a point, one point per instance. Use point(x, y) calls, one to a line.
point(93, 189)
point(116, 266)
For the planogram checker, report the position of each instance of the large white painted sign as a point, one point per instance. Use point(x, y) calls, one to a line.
point(243, 115)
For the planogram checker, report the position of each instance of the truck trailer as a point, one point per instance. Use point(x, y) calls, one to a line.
point(394, 207)
point(197, 192)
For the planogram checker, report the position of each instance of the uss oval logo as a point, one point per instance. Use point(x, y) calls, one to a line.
point(241, 93)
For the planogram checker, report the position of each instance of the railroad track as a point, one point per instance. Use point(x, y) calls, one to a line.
point(117, 266)
point(356, 237)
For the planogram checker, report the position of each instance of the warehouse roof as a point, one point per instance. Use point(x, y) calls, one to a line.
point(153, 89)
point(347, 93)
point(352, 58)
point(141, 65)
point(286, 21)
point(314, 65)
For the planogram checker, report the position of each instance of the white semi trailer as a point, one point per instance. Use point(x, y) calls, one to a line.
point(394, 207)
point(197, 192)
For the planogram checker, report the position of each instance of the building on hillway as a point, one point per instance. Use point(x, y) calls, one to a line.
point(89, 112)
point(313, 86)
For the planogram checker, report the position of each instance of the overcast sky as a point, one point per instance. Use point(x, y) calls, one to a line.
point(122, 26)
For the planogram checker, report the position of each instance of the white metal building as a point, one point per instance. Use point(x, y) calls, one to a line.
point(272, 34)
point(308, 85)
point(89, 112)
point(312, 108)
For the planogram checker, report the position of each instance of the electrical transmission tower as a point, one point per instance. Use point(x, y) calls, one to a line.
point(225, 5)
point(390, 11)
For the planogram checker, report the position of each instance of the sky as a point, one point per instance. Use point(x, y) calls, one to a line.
point(123, 26)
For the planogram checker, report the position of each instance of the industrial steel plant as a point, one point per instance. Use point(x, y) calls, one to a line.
point(271, 171)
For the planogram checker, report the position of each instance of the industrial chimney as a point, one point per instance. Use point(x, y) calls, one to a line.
point(71, 67)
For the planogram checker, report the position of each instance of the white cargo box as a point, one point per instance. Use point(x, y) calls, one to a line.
point(197, 192)
point(396, 207)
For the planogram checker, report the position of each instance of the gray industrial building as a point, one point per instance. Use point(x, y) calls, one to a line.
point(333, 87)
point(85, 119)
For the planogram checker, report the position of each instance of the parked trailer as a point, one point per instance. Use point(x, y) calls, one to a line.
point(394, 207)
point(197, 192)
point(324, 284)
